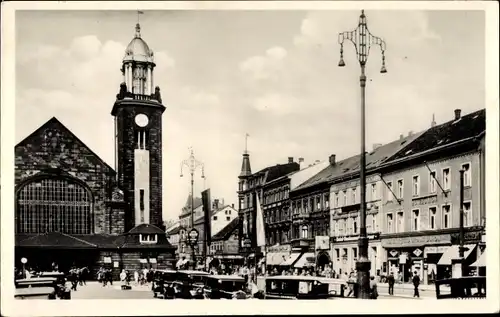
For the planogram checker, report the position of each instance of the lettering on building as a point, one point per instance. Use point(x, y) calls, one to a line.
point(418, 240)
point(279, 248)
point(424, 200)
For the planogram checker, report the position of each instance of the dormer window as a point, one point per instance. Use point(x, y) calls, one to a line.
point(148, 238)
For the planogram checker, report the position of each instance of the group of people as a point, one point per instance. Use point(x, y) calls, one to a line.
point(141, 277)
point(78, 276)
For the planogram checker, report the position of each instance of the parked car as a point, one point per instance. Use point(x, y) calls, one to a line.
point(224, 286)
point(462, 287)
point(304, 287)
point(36, 288)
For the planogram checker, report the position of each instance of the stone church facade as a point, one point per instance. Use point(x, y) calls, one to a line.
point(73, 209)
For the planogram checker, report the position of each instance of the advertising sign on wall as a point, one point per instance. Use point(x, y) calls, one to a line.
point(322, 243)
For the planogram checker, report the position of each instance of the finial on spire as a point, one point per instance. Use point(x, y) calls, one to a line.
point(246, 143)
point(138, 26)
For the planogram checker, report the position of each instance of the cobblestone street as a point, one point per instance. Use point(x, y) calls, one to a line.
point(95, 290)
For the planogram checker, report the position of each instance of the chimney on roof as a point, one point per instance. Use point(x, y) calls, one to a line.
point(401, 137)
point(458, 112)
point(331, 159)
point(232, 205)
point(290, 159)
point(376, 146)
point(410, 133)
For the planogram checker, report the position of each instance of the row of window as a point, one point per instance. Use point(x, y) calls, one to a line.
point(350, 226)
point(311, 204)
point(276, 215)
point(276, 195)
point(279, 236)
point(251, 183)
point(227, 218)
point(309, 231)
point(350, 196)
point(141, 139)
point(436, 219)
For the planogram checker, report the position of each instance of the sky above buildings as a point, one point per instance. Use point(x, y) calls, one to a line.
point(271, 74)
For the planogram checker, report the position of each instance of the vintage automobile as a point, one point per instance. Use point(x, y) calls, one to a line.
point(162, 280)
point(36, 288)
point(62, 291)
point(189, 284)
point(462, 287)
point(304, 287)
point(224, 287)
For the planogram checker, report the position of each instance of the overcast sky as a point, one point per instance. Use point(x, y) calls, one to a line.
point(272, 74)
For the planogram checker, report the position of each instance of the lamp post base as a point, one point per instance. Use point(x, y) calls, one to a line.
point(363, 277)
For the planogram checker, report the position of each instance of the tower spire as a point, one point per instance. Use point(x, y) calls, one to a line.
point(433, 123)
point(246, 170)
point(138, 25)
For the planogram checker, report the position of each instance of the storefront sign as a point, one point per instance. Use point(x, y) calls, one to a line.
point(469, 237)
point(116, 264)
point(402, 258)
point(107, 259)
point(435, 250)
point(322, 243)
point(424, 201)
point(394, 253)
point(352, 238)
point(417, 252)
point(416, 241)
point(279, 248)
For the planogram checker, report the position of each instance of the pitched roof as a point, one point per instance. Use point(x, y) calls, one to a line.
point(55, 239)
point(187, 207)
point(55, 122)
point(468, 126)
point(351, 164)
point(226, 232)
point(146, 229)
point(277, 171)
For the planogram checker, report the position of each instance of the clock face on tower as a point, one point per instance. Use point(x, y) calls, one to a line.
point(141, 120)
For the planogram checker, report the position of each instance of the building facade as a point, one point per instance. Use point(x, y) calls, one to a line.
point(224, 247)
point(421, 215)
point(75, 210)
point(250, 193)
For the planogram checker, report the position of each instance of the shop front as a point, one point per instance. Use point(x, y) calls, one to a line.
point(421, 254)
point(344, 254)
point(276, 255)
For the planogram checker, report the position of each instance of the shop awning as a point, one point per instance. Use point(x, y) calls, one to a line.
point(307, 259)
point(290, 259)
point(452, 253)
point(481, 262)
point(276, 258)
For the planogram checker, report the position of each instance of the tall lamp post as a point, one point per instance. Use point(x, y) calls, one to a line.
point(362, 40)
point(192, 164)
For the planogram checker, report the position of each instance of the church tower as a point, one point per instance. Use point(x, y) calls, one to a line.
point(138, 136)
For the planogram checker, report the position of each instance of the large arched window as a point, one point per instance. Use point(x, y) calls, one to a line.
point(54, 204)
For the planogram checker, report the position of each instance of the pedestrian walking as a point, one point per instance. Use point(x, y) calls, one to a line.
point(391, 280)
point(373, 288)
point(416, 283)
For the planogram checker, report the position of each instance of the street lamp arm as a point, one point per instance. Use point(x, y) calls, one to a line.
point(362, 40)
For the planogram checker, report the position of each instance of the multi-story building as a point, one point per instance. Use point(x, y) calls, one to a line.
point(250, 189)
point(278, 215)
point(345, 206)
point(220, 214)
point(421, 214)
point(224, 247)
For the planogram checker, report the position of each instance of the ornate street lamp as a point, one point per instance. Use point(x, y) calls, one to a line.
point(362, 40)
point(192, 164)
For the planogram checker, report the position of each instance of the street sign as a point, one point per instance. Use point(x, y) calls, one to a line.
point(193, 236)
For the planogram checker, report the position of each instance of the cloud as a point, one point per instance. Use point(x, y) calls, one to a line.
point(265, 66)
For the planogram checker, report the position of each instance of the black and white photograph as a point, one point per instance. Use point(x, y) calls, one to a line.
point(253, 151)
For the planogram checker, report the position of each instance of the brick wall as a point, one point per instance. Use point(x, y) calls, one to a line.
point(126, 146)
point(62, 152)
